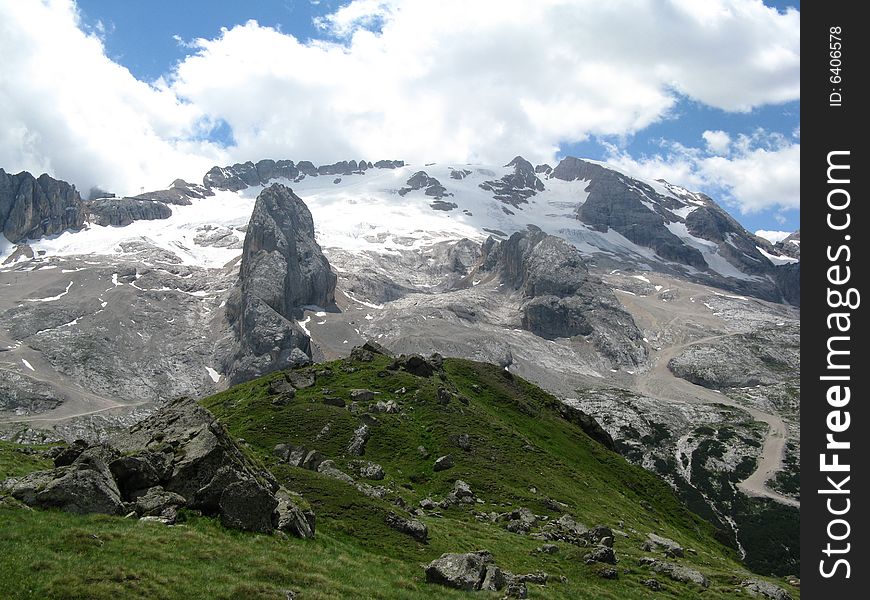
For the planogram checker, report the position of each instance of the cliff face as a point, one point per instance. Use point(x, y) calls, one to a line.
point(31, 207)
point(561, 298)
point(282, 270)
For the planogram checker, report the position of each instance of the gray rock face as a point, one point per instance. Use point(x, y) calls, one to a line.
point(642, 215)
point(562, 299)
point(357, 444)
point(120, 212)
point(617, 202)
point(666, 544)
point(788, 281)
point(282, 269)
point(442, 463)
point(32, 207)
point(516, 188)
point(155, 501)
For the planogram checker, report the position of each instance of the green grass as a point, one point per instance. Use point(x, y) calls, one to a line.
point(16, 459)
point(522, 454)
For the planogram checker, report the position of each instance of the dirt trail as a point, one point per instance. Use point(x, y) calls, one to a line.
point(659, 382)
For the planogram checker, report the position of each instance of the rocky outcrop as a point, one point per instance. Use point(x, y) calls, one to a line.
point(763, 589)
point(790, 246)
point(25, 395)
point(560, 297)
point(282, 270)
point(653, 216)
point(617, 202)
point(244, 175)
point(241, 176)
point(516, 188)
point(430, 186)
point(412, 527)
point(178, 457)
point(676, 572)
point(120, 212)
point(788, 281)
point(179, 193)
point(83, 487)
point(31, 207)
point(388, 164)
point(588, 424)
point(466, 571)
point(473, 571)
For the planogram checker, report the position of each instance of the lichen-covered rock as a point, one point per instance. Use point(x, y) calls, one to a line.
point(460, 571)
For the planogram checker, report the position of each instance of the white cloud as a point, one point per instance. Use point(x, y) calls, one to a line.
point(718, 142)
point(66, 109)
point(761, 172)
point(773, 236)
point(421, 81)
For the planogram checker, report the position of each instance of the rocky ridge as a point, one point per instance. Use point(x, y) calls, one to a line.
point(31, 207)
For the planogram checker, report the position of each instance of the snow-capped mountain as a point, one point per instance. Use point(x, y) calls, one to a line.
point(111, 283)
point(625, 296)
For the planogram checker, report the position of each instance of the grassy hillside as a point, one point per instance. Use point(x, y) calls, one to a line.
point(521, 453)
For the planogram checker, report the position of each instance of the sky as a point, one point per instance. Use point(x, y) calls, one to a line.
point(128, 96)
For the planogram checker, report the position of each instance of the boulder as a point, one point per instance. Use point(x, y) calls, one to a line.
point(141, 471)
point(764, 589)
point(66, 456)
point(416, 529)
point(442, 463)
point(668, 545)
point(362, 395)
point(300, 379)
point(75, 488)
point(329, 469)
point(357, 444)
point(676, 572)
point(289, 518)
point(460, 571)
point(600, 554)
point(154, 501)
point(248, 505)
point(370, 470)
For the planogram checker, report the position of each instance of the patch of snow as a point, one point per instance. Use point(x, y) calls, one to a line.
point(27, 364)
point(215, 376)
point(777, 260)
point(52, 298)
point(302, 324)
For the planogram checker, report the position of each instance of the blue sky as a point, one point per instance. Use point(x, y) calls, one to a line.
point(725, 126)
